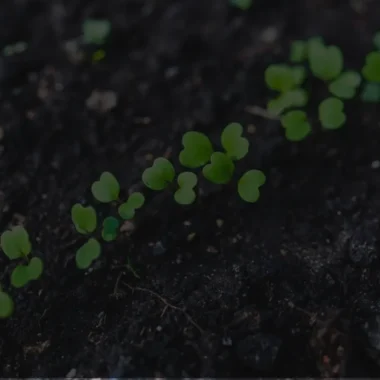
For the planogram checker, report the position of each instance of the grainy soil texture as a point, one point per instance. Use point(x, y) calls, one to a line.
point(288, 286)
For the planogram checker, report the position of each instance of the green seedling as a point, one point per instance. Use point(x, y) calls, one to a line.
point(243, 5)
point(185, 195)
point(197, 150)
point(127, 209)
point(298, 51)
point(84, 218)
point(293, 98)
point(326, 62)
point(376, 40)
point(371, 69)
point(345, 85)
point(6, 304)
point(22, 274)
point(249, 185)
point(160, 175)
point(220, 169)
point(282, 78)
point(234, 144)
point(371, 93)
point(331, 113)
point(86, 254)
point(110, 228)
point(296, 125)
point(96, 31)
point(106, 189)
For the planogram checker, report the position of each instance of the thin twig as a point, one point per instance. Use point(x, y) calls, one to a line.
point(259, 111)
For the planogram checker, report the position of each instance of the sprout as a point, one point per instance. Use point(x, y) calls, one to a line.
point(345, 85)
point(84, 218)
point(185, 195)
point(86, 254)
point(371, 93)
point(293, 98)
point(96, 31)
point(371, 69)
point(134, 202)
point(376, 40)
point(283, 78)
point(106, 189)
point(15, 243)
point(234, 144)
point(244, 5)
point(298, 51)
point(110, 228)
point(326, 62)
point(331, 113)
point(249, 185)
point(197, 150)
point(159, 175)
point(6, 304)
point(22, 274)
point(220, 170)
point(296, 125)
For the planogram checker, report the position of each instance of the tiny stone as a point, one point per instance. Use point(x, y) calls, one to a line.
point(187, 223)
point(251, 129)
point(159, 328)
point(375, 164)
point(191, 236)
point(212, 249)
point(71, 373)
point(219, 222)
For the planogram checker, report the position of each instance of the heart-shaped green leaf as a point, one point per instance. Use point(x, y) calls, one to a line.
point(296, 125)
point(35, 268)
point(128, 208)
point(293, 98)
point(86, 254)
point(15, 243)
point(345, 85)
point(185, 195)
point(197, 150)
point(371, 93)
point(249, 185)
point(6, 305)
point(232, 141)
point(371, 69)
point(220, 170)
point(159, 175)
point(280, 77)
point(298, 51)
point(106, 189)
point(326, 62)
point(84, 218)
point(331, 113)
point(110, 228)
point(20, 276)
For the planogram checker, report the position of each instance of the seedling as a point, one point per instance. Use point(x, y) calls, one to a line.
point(16, 245)
point(220, 169)
point(243, 5)
point(106, 189)
point(234, 144)
point(371, 69)
point(84, 218)
point(298, 51)
point(135, 201)
point(296, 125)
point(345, 85)
point(331, 113)
point(185, 194)
point(6, 304)
point(160, 175)
point(282, 78)
point(96, 31)
point(86, 254)
point(371, 93)
point(110, 228)
point(293, 98)
point(249, 185)
point(197, 150)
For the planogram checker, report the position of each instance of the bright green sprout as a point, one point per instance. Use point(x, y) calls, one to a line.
point(326, 62)
point(249, 185)
point(298, 51)
point(296, 125)
point(15, 243)
point(345, 85)
point(233, 143)
point(110, 228)
point(185, 195)
point(134, 202)
point(293, 98)
point(220, 169)
point(331, 113)
point(6, 304)
point(371, 69)
point(106, 189)
point(86, 254)
point(371, 93)
point(197, 150)
point(160, 175)
point(376, 40)
point(283, 78)
point(84, 218)
point(244, 5)
point(23, 274)
point(96, 31)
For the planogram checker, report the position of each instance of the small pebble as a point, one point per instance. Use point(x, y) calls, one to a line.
point(375, 164)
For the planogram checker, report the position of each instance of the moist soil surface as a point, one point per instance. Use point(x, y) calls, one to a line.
point(288, 286)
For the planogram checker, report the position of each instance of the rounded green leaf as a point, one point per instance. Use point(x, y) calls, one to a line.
point(293, 98)
point(371, 93)
point(280, 77)
point(331, 113)
point(298, 51)
point(371, 69)
point(6, 305)
point(84, 218)
point(232, 141)
point(20, 276)
point(296, 125)
point(110, 228)
point(128, 208)
point(299, 74)
point(15, 243)
point(345, 85)
point(185, 196)
point(159, 175)
point(86, 254)
point(197, 150)
point(249, 185)
point(187, 179)
point(106, 189)
point(220, 170)
point(35, 268)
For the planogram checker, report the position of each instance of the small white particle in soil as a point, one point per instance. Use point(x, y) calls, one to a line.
point(71, 373)
point(159, 328)
point(375, 164)
point(219, 222)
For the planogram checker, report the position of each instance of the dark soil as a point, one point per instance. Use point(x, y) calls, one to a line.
point(286, 287)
